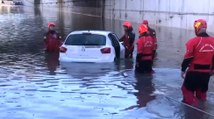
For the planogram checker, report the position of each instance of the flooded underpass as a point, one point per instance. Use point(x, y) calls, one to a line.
point(35, 85)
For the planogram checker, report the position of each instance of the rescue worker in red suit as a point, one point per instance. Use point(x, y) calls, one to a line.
point(145, 47)
point(128, 39)
point(197, 65)
point(52, 39)
point(152, 33)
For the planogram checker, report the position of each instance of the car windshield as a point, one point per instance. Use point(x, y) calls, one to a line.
point(86, 39)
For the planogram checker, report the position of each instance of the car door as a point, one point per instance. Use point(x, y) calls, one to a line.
point(115, 44)
point(122, 48)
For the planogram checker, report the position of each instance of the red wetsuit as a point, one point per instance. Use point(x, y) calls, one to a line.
point(145, 48)
point(198, 61)
point(128, 41)
point(52, 41)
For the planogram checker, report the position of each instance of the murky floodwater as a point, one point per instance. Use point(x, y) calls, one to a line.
point(34, 85)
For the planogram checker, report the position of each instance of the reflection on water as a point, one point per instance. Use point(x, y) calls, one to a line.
point(34, 85)
point(81, 70)
point(145, 89)
point(52, 60)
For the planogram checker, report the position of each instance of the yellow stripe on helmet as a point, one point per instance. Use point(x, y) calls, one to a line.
point(198, 24)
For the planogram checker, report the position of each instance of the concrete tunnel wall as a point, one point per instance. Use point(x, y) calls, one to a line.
point(170, 13)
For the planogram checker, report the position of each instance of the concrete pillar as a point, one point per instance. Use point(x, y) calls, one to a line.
point(60, 1)
point(37, 1)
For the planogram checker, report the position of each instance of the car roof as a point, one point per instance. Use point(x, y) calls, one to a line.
point(99, 32)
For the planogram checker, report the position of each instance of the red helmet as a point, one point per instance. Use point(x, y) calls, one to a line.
point(127, 24)
point(142, 28)
point(51, 24)
point(145, 22)
point(199, 24)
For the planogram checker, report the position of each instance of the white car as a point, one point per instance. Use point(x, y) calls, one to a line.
point(91, 46)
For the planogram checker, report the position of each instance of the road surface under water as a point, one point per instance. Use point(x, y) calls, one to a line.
point(35, 85)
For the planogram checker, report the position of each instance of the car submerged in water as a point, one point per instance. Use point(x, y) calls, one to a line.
point(91, 46)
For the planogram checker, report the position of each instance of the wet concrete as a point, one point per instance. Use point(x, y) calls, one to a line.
point(35, 85)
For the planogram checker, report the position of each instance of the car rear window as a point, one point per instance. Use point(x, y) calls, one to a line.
point(86, 39)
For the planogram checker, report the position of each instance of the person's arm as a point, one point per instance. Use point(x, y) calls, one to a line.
point(185, 64)
point(139, 57)
point(45, 37)
point(122, 38)
point(155, 43)
point(139, 51)
point(155, 40)
point(213, 63)
point(154, 33)
point(45, 40)
point(131, 38)
point(59, 39)
point(59, 36)
point(188, 57)
point(212, 67)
